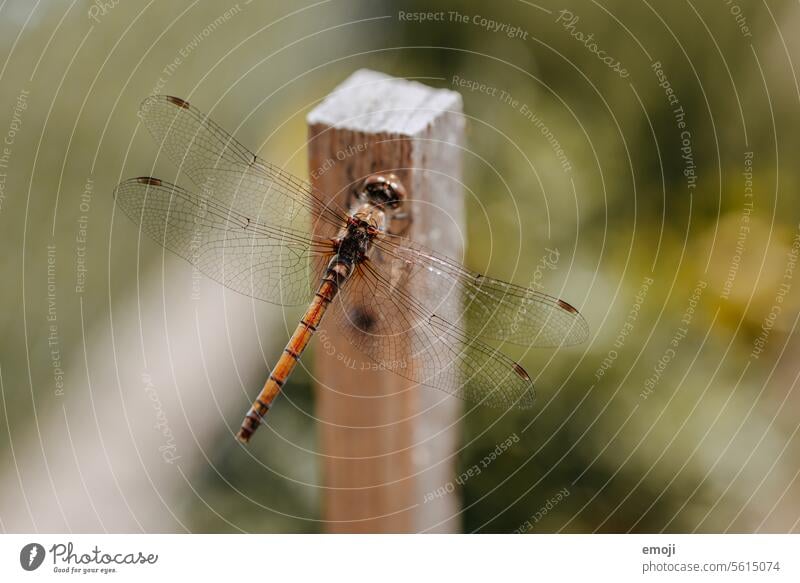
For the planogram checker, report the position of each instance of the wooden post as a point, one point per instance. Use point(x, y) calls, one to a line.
point(384, 447)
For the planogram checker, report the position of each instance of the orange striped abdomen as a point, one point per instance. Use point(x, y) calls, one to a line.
point(336, 275)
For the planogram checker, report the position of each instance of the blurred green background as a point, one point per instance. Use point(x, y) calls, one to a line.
point(679, 415)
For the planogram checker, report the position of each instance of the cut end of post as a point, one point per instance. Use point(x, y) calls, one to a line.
point(375, 103)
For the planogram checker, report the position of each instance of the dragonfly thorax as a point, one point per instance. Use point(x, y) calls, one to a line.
point(355, 240)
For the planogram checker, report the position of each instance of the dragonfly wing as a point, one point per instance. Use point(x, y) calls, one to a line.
point(270, 263)
point(487, 307)
point(400, 335)
point(225, 169)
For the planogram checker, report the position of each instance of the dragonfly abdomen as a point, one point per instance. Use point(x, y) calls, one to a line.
point(336, 274)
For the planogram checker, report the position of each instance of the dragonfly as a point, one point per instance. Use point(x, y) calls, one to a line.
point(264, 233)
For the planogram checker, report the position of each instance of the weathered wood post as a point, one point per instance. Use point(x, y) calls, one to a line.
point(385, 443)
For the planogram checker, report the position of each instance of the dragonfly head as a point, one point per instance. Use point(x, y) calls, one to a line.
point(384, 190)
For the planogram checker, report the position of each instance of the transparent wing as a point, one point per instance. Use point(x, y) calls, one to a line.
point(487, 307)
point(249, 231)
point(271, 263)
point(226, 170)
point(400, 335)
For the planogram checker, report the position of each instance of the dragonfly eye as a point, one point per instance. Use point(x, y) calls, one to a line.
point(384, 189)
point(397, 188)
